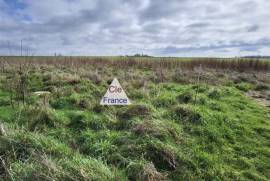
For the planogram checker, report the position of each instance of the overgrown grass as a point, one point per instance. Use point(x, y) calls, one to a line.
point(206, 130)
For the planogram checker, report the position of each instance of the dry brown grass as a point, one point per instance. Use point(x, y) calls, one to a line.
point(241, 65)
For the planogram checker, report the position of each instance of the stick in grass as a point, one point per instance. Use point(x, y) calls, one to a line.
point(197, 83)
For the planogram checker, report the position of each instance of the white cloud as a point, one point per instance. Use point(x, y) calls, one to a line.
point(156, 27)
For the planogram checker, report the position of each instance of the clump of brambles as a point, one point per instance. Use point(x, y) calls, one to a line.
point(190, 119)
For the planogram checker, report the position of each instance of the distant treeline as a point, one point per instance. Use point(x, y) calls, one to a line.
point(256, 56)
point(139, 55)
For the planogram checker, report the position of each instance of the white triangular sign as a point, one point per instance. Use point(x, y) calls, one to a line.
point(115, 95)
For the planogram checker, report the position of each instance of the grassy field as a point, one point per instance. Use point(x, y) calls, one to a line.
point(190, 119)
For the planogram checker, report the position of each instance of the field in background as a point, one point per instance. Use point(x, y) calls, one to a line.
point(239, 64)
point(191, 119)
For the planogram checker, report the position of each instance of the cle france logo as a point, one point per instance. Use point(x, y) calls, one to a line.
point(115, 95)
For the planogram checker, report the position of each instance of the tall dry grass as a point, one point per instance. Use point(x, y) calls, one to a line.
point(241, 65)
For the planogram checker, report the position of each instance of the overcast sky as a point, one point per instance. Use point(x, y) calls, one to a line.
point(124, 27)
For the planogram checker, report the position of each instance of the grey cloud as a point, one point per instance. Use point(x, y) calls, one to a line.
point(247, 6)
point(162, 9)
point(250, 48)
point(123, 27)
point(243, 46)
point(198, 25)
point(253, 28)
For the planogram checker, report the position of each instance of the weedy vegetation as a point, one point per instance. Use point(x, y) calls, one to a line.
point(190, 119)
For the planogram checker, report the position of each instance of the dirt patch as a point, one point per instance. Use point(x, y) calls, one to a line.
point(262, 97)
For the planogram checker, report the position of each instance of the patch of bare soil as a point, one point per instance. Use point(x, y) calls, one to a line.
point(262, 97)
